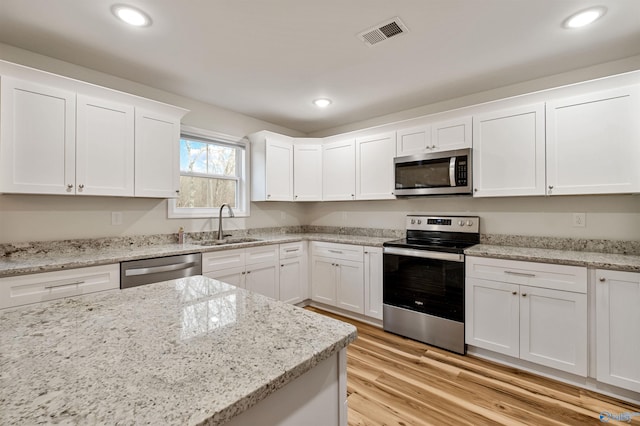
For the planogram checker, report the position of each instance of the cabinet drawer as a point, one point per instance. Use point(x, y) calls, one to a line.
point(338, 251)
point(34, 288)
point(544, 275)
point(218, 260)
point(262, 254)
point(291, 250)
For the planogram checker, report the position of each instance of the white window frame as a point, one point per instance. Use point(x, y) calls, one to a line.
point(243, 207)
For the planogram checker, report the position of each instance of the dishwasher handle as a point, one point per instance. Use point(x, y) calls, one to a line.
point(158, 269)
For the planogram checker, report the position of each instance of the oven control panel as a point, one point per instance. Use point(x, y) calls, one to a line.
point(444, 223)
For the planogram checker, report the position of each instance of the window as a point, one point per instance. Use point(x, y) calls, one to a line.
point(212, 172)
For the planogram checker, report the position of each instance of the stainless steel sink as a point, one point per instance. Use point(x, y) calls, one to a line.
point(227, 241)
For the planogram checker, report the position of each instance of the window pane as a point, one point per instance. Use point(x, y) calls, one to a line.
point(222, 160)
point(193, 156)
point(206, 192)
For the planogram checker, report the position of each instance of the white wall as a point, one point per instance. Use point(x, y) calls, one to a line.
point(43, 218)
point(615, 217)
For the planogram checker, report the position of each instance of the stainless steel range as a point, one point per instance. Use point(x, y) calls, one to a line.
point(423, 284)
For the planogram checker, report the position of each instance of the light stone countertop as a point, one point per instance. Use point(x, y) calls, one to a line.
point(54, 259)
point(618, 262)
point(177, 352)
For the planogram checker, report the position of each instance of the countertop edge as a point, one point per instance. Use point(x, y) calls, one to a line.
point(617, 262)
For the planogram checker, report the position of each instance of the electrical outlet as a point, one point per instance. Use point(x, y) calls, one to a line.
point(116, 218)
point(579, 220)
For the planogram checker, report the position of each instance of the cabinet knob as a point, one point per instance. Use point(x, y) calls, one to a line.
point(514, 292)
point(282, 266)
point(295, 197)
point(524, 294)
point(550, 187)
point(268, 195)
point(69, 186)
point(177, 191)
point(602, 279)
point(243, 273)
point(475, 189)
point(433, 147)
point(81, 186)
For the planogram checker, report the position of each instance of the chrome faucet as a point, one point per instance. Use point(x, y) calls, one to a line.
point(220, 234)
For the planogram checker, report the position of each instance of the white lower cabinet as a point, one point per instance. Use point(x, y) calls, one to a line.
point(337, 275)
point(618, 328)
point(533, 311)
point(373, 282)
point(293, 272)
point(34, 288)
point(254, 268)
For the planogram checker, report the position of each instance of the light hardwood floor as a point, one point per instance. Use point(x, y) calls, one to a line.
point(396, 381)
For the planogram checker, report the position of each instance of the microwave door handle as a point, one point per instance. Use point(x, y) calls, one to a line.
point(452, 171)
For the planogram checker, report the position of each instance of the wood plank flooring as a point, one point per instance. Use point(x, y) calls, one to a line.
point(396, 381)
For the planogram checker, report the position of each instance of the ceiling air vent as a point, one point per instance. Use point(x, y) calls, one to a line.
point(382, 32)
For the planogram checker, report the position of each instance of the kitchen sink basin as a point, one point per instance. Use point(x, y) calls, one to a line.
point(227, 241)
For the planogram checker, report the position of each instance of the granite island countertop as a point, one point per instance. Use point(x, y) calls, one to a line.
point(176, 352)
point(618, 262)
point(54, 258)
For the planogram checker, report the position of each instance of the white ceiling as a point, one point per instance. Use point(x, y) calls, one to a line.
point(270, 58)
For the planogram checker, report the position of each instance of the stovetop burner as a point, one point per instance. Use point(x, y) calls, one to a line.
point(443, 233)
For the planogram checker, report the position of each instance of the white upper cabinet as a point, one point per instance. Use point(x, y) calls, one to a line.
point(64, 136)
point(157, 161)
point(37, 139)
point(271, 167)
point(307, 170)
point(509, 152)
point(374, 167)
point(339, 170)
point(413, 140)
point(593, 143)
point(434, 137)
point(451, 134)
point(104, 147)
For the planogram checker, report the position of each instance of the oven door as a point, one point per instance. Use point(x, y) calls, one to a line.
point(424, 281)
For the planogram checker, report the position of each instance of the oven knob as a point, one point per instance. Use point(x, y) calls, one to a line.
point(413, 221)
point(469, 223)
point(461, 222)
point(419, 222)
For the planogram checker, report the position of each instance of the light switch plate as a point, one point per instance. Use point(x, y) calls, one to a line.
point(116, 218)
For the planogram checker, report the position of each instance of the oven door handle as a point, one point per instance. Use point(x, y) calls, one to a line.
point(425, 254)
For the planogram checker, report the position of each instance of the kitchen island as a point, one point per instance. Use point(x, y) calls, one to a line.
point(187, 351)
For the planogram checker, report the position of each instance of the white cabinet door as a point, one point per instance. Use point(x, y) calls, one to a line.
point(157, 167)
point(592, 141)
point(263, 279)
point(307, 172)
point(492, 315)
point(323, 280)
point(374, 167)
point(339, 170)
point(451, 134)
point(553, 329)
point(509, 152)
point(279, 170)
point(618, 328)
point(233, 276)
point(291, 280)
point(104, 147)
point(373, 282)
point(350, 285)
point(413, 140)
point(37, 138)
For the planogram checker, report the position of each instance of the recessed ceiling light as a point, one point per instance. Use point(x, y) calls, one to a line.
point(131, 15)
point(585, 17)
point(322, 103)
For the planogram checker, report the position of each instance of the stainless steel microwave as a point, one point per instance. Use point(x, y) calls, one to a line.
point(439, 173)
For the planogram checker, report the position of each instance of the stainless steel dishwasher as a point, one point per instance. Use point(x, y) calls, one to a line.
point(147, 271)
